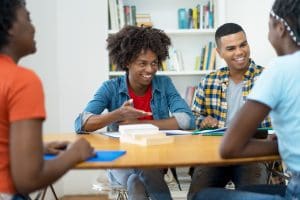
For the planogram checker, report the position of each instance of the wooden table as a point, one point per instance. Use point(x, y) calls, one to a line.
point(187, 150)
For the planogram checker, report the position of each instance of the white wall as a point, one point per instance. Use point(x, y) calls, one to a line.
point(253, 16)
point(44, 62)
point(72, 60)
point(82, 58)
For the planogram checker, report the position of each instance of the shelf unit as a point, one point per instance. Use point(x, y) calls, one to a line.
point(188, 41)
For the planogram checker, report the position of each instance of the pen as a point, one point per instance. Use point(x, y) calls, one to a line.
point(216, 133)
point(196, 132)
point(264, 129)
point(213, 134)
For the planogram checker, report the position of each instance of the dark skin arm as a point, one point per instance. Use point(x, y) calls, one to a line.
point(209, 121)
point(28, 168)
point(126, 111)
point(238, 142)
point(55, 147)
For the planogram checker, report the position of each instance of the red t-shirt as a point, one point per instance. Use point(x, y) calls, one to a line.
point(21, 97)
point(142, 102)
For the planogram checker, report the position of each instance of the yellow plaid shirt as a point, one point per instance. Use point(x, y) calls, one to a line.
point(210, 98)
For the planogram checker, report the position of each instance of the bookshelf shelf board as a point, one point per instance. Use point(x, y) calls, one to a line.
point(170, 73)
point(112, 31)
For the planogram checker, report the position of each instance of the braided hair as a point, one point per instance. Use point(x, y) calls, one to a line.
point(7, 17)
point(288, 11)
point(126, 45)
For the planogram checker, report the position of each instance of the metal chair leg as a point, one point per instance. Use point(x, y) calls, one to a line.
point(174, 173)
point(53, 192)
point(45, 191)
point(272, 170)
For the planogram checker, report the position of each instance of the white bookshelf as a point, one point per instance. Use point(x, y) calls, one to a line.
point(188, 41)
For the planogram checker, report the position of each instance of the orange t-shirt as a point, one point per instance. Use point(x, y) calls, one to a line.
point(21, 97)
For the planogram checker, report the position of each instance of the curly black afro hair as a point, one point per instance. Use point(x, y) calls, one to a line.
point(126, 45)
point(7, 17)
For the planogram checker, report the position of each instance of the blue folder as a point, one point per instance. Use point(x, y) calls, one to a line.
point(101, 156)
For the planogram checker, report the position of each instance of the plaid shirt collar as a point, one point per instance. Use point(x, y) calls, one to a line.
point(250, 73)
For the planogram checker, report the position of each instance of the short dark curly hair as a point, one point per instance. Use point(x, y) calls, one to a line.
point(7, 17)
point(227, 29)
point(126, 45)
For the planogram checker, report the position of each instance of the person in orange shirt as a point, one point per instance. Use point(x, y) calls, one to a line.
point(22, 111)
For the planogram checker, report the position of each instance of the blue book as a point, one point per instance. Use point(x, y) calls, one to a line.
point(182, 18)
point(101, 156)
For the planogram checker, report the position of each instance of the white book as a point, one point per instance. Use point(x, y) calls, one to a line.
point(121, 13)
point(138, 129)
point(146, 141)
point(113, 13)
point(146, 135)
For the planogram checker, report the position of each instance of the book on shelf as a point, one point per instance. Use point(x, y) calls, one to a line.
point(113, 14)
point(143, 19)
point(195, 17)
point(199, 17)
point(113, 67)
point(127, 11)
point(197, 63)
point(190, 95)
point(143, 134)
point(190, 18)
point(212, 62)
point(120, 14)
point(211, 19)
point(182, 18)
point(133, 15)
point(206, 59)
point(208, 55)
point(174, 62)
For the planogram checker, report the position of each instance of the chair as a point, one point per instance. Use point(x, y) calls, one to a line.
point(42, 194)
point(169, 177)
point(104, 186)
point(276, 168)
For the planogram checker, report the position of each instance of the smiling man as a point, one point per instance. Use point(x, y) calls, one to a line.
point(218, 98)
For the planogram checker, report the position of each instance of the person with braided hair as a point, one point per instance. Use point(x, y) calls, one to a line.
point(276, 92)
point(140, 96)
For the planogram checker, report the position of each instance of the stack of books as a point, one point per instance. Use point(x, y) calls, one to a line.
point(143, 134)
point(143, 20)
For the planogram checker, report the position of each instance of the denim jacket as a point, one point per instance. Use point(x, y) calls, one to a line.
point(165, 100)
